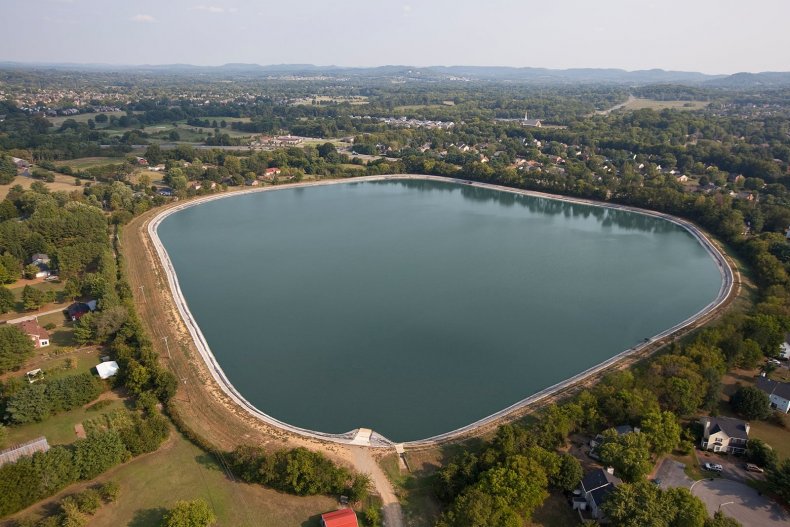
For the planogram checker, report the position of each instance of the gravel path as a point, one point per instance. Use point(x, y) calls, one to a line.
point(364, 463)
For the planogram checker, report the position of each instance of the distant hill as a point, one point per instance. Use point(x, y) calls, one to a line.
point(752, 80)
point(473, 73)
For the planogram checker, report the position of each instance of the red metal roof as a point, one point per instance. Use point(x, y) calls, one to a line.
point(340, 518)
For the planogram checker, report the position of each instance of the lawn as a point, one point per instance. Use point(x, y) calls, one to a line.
point(61, 183)
point(777, 437)
point(82, 118)
point(59, 429)
point(555, 512)
point(641, 104)
point(181, 471)
point(89, 162)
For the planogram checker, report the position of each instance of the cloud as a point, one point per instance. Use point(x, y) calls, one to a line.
point(407, 9)
point(143, 18)
point(213, 9)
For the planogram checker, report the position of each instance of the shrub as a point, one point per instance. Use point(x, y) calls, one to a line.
point(110, 491)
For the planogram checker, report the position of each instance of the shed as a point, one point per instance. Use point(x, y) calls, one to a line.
point(107, 369)
point(339, 518)
point(12, 455)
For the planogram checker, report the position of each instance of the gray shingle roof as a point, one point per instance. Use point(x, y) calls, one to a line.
point(734, 428)
point(782, 389)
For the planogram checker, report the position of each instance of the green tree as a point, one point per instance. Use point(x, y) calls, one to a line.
point(662, 431)
point(32, 298)
point(779, 480)
point(687, 509)
point(720, 520)
point(751, 403)
point(635, 505)
point(569, 474)
point(84, 332)
point(761, 454)
point(15, 347)
point(196, 513)
point(7, 170)
point(629, 454)
point(30, 271)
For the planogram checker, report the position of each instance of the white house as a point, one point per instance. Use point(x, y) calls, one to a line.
point(724, 434)
point(778, 393)
point(41, 261)
point(784, 349)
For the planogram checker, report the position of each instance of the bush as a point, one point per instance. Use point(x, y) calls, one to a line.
point(110, 491)
point(195, 513)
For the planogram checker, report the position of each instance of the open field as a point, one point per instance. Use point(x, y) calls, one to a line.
point(181, 471)
point(354, 100)
point(82, 118)
point(62, 182)
point(89, 162)
point(641, 104)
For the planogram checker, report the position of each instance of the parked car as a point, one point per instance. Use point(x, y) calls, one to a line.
point(713, 467)
point(751, 467)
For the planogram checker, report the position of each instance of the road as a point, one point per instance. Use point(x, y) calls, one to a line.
point(365, 464)
point(31, 316)
point(741, 502)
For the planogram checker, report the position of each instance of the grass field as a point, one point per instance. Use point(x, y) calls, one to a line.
point(640, 104)
point(61, 183)
point(88, 162)
point(82, 118)
point(181, 471)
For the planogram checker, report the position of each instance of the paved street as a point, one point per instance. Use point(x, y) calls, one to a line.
point(741, 502)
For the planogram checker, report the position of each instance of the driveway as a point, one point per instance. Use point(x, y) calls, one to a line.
point(733, 467)
point(670, 474)
point(741, 502)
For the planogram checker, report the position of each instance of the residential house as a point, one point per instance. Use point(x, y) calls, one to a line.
point(600, 439)
point(778, 393)
point(724, 434)
point(595, 488)
point(107, 369)
point(271, 172)
point(339, 518)
point(41, 261)
point(20, 163)
point(37, 334)
point(141, 161)
point(682, 178)
point(784, 349)
point(77, 309)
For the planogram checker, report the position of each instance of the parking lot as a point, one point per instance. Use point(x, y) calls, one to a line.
point(741, 502)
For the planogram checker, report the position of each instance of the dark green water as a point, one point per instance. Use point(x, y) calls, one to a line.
point(417, 307)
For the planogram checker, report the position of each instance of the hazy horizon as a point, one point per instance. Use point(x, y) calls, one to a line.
point(708, 36)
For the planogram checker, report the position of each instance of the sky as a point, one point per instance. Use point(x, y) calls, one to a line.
point(711, 36)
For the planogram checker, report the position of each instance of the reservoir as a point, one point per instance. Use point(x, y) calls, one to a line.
point(416, 307)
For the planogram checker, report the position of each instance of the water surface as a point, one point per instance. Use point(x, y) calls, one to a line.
point(417, 307)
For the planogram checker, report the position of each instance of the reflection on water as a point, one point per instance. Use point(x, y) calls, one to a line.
point(605, 216)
